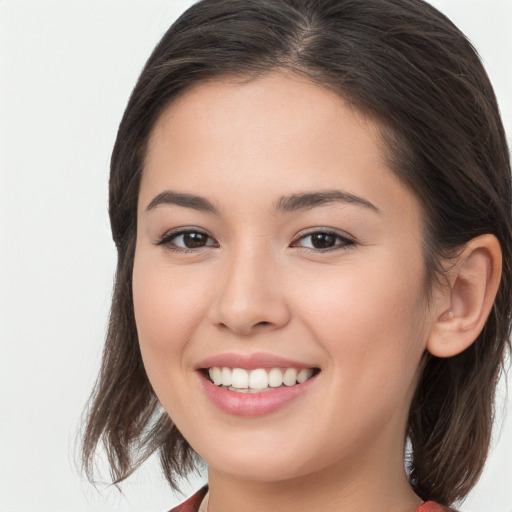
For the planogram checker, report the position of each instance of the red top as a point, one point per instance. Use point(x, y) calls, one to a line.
point(194, 502)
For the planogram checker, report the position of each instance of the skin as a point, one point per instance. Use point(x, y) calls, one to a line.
point(358, 312)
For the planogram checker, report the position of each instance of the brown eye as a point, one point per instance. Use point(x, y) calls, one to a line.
point(193, 240)
point(187, 240)
point(323, 241)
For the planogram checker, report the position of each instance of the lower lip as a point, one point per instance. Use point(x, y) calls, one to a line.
point(253, 404)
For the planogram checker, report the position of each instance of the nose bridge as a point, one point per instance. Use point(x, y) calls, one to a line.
point(249, 294)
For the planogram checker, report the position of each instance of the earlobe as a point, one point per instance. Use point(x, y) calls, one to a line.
point(473, 283)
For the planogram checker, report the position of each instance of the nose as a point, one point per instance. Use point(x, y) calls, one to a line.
point(250, 297)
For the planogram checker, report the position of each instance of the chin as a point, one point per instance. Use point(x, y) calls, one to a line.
point(265, 461)
point(262, 471)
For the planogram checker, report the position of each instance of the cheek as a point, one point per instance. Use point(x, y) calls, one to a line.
point(168, 308)
point(370, 319)
point(371, 327)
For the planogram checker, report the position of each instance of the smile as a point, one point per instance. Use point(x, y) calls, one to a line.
point(255, 385)
point(258, 380)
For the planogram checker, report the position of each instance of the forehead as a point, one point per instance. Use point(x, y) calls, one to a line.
point(274, 132)
point(256, 102)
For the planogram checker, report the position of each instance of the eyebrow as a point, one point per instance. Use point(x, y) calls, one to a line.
point(291, 203)
point(306, 201)
point(186, 200)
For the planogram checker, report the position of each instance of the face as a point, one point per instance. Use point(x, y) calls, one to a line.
point(275, 244)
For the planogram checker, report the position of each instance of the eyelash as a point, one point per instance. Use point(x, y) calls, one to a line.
point(343, 242)
point(167, 240)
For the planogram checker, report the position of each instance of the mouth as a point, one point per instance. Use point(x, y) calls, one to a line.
point(257, 380)
point(255, 384)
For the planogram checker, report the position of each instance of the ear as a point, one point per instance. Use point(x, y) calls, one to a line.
point(464, 305)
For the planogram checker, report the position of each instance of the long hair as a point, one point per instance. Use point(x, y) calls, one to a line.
point(406, 66)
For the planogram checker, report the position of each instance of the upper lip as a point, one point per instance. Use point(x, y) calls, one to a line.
point(250, 361)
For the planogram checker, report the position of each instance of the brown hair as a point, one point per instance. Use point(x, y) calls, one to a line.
point(402, 63)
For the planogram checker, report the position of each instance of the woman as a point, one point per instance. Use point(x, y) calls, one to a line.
point(311, 205)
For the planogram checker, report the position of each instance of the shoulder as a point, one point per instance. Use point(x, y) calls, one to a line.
point(193, 503)
point(430, 506)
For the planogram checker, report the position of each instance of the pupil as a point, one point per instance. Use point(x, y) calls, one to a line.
point(323, 240)
point(194, 240)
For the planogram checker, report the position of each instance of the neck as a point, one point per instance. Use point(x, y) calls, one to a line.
point(332, 489)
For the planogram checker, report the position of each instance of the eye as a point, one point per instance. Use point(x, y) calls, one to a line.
point(188, 239)
point(323, 241)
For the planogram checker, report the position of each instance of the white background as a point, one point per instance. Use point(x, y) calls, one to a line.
point(66, 70)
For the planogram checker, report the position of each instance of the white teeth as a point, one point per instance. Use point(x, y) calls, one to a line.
point(239, 378)
point(226, 377)
point(290, 377)
point(304, 375)
point(258, 379)
point(216, 376)
point(275, 378)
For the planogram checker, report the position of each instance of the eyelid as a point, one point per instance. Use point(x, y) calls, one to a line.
point(348, 240)
point(167, 238)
